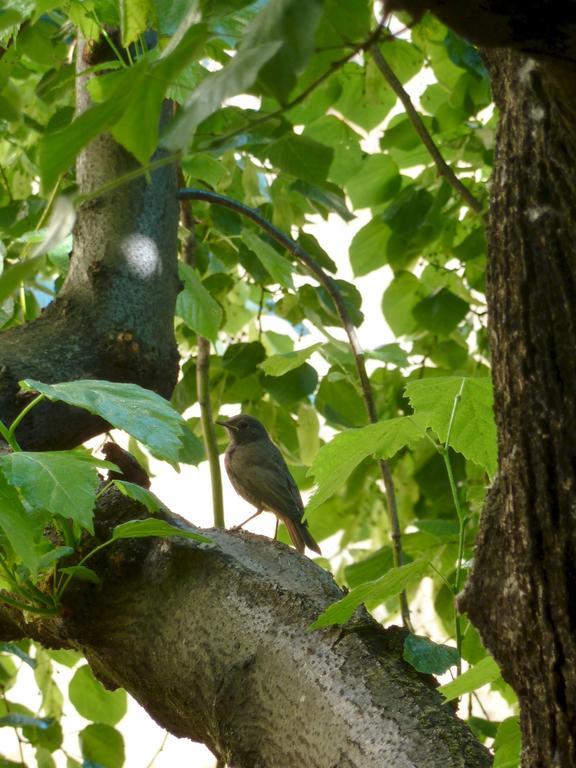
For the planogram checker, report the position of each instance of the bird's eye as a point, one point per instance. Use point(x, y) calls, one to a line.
point(241, 425)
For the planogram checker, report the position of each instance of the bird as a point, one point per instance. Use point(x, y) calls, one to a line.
point(259, 474)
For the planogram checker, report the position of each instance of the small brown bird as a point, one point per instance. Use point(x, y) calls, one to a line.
point(259, 474)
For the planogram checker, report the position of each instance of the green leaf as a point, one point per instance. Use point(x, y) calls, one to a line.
point(473, 430)
point(141, 495)
point(102, 745)
point(429, 657)
point(402, 295)
point(93, 701)
point(47, 560)
point(405, 58)
point(17, 526)
point(196, 306)
point(278, 365)
point(82, 572)
point(368, 248)
point(276, 265)
point(236, 77)
point(134, 16)
point(389, 585)
point(370, 568)
point(12, 277)
point(508, 744)
point(337, 459)
point(377, 181)
point(62, 482)
point(486, 671)
point(141, 529)
point(243, 358)
point(137, 128)
point(297, 384)
point(328, 196)
point(293, 24)
point(301, 157)
point(58, 149)
point(441, 312)
point(140, 412)
point(308, 431)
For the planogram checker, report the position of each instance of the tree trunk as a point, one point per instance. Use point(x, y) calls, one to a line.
point(522, 591)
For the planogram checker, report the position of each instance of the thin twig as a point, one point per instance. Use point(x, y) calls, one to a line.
point(329, 283)
point(208, 431)
point(203, 389)
point(443, 168)
point(332, 68)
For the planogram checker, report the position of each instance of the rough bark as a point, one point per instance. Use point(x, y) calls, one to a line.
point(522, 591)
point(213, 640)
point(113, 318)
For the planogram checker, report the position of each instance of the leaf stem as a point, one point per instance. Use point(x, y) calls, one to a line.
point(331, 286)
point(24, 412)
point(9, 437)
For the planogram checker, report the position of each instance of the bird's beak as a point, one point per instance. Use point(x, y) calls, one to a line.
point(225, 424)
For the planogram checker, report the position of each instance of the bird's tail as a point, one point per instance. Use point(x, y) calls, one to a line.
point(300, 535)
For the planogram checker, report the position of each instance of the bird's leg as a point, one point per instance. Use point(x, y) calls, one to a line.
point(276, 529)
point(237, 527)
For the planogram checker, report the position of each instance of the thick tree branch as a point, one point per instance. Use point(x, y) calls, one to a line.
point(443, 168)
point(213, 640)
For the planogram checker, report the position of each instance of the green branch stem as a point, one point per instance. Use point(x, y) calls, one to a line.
point(445, 451)
point(25, 411)
point(329, 283)
point(208, 431)
point(443, 168)
point(203, 388)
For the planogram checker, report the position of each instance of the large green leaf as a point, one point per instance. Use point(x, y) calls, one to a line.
point(278, 365)
point(473, 430)
point(387, 586)
point(12, 278)
point(402, 295)
point(292, 24)
point(429, 657)
point(93, 701)
point(134, 18)
point(508, 744)
point(62, 482)
point(486, 671)
point(141, 529)
point(276, 265)
point(376, 181)
point(441, 312)
point(140, 412)
point(102, 745)
point(368, 247)
point(138, 126)
point(196, 306)
point(301, 157)
point(337, 459)
point(17, 526)
point(237, 77)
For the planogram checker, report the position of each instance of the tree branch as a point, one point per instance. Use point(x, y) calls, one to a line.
point(214, 641)
point(332, 288)
point(443, 168)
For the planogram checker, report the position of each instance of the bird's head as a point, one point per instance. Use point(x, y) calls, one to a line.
point(244, 429)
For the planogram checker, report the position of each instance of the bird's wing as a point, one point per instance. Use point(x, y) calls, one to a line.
point(266, 477)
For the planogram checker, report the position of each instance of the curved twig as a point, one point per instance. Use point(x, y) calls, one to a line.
point(331, 287)
point(443, 168)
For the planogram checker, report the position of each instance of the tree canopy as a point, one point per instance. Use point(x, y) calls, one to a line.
point(277, 115)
